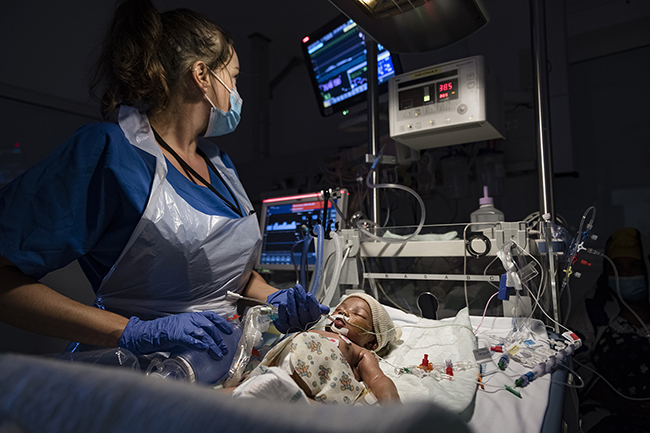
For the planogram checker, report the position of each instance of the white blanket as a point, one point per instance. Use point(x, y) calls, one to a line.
point(441, 340)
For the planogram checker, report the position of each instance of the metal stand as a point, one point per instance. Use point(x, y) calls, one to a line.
point(544, 164)
point(373, 121)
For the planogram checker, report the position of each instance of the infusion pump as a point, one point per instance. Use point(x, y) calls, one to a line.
point(451, 103)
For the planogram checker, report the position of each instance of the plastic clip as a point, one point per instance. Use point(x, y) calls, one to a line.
point(513, 391)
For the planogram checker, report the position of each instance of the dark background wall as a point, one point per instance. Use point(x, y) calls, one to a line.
point(599, 52)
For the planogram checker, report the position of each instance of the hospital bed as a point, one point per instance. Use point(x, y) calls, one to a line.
point(406, 270)
point(541, 405)
point(486, 408)
point(38, 394)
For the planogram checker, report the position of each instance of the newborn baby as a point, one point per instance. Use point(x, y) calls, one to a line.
point(328, 365)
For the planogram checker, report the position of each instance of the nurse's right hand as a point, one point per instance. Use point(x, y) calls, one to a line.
point(200, 331)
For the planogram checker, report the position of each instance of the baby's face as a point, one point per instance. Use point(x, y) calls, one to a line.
point(359, 322)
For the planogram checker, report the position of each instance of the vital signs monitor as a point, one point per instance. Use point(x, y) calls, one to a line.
point(450, 103)
point(284, 222)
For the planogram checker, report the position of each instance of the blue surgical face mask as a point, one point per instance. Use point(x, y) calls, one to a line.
point(221, 123)
point(632, 288)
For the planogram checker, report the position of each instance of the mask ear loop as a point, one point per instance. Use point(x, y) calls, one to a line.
point(220, 80)
point(233, 93)
point(224, 85)
point(210, 101)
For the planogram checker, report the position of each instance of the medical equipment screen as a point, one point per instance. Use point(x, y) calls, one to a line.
point(285, 223)
point(430, 92)
point(336, 59)
point(450, 103)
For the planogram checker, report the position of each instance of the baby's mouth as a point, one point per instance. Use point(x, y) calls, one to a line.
point(339, 323)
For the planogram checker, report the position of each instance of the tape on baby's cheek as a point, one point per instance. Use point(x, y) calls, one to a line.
point(343, 331)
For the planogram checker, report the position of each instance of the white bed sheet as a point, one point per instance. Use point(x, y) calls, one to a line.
point(441, 340)
point(493, 409)
point(497, 410)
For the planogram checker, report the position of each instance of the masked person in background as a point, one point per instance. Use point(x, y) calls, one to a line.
point(620, 342)
point(154, 213)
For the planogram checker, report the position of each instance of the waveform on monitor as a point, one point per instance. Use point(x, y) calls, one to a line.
point(284, 226)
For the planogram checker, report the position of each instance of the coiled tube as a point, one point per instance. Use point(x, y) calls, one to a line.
point(361, 224)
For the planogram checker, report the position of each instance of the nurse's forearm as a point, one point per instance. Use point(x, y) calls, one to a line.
point(257, 288)
point(29, 305)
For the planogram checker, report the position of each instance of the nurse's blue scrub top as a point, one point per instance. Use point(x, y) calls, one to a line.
point(85, 199)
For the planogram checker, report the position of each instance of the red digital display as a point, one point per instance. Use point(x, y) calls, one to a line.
point(445, 87)
point(447, 90)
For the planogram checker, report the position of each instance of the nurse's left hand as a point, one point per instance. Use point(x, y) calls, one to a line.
point(199, 331)
point(296, 309)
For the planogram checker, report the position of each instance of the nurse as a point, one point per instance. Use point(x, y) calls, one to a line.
point(154, 213)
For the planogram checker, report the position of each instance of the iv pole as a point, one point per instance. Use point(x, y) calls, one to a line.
point(544, 157)
point(373, 121)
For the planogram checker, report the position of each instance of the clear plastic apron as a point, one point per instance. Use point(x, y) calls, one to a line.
point(179, 259)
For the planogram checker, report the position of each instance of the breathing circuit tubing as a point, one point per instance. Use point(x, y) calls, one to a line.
point(318, 268)
point(361, 223)
point(256, 321)
point(338, 265)
point(306, 242)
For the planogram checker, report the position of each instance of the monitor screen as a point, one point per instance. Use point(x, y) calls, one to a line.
point(283, 221)
point(336, 59)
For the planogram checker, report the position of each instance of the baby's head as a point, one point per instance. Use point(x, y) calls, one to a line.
point(368, 323)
